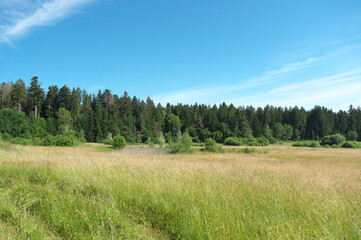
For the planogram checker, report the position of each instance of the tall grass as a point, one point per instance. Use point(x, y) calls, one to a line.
point(84, 193)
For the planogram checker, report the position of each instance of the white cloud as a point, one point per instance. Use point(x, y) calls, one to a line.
point(329, 80)
point(331, 91)
point(199, 94)
point(95, 89)
point(289, 67)
point(18, 20)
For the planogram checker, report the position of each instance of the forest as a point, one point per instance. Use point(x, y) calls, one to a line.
point(29, 113)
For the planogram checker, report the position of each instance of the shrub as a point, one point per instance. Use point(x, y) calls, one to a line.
point(37, 141)
point(351, 136)
point(211, 146)
point(119, 142)
point(64, 140)
point(249, 150)
point(149, 142)
point(161, 140)
point(19, 140)
point(351, 144)
point(314, 144)
point(272, 140)
point(13, 123)
point(251, 141)
point(109, 139)
point(196, 139)
point(49, 141)
point(233, 141)
point(335, 139)
point(262, 141)
point(306, 144)
point(182, 145)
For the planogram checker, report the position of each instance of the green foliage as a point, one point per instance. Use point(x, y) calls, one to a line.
point(211, 145)
point(249, 141)
point(150, 142)
point(283, 131)
point(173, 125)
point(233, 141)
point(272, 140)
point(21, 141)
point(262, 141)
point(109, 139)
point(38, 129)
point(161, 140)
point(249, 150)
point(182, 145)
point(314, 144)
point(218, 136)
point(67, 139)
point(49, 140)
point(137, 120)
point(335, 139)
point(64, 120)
point(119, 142)
point(14, 123)
point(351, 136)
point(351, 144)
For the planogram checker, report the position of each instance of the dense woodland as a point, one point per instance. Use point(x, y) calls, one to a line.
point(95, 117)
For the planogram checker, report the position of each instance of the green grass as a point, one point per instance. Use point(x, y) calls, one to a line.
point(171, 197)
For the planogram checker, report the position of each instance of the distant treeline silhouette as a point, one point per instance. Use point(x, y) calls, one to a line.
point(31, 112)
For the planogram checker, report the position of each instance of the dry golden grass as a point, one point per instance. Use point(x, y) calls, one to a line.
point(278, 192)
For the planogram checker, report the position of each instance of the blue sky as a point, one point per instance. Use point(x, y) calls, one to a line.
point(280, 52)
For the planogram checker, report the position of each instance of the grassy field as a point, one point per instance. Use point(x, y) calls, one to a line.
point(88, 192)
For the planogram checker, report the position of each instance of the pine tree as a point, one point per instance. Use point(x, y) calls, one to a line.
point(18, 95)
point(35, 97)
point(51, 104)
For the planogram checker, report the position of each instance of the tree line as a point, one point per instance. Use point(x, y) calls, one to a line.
point(97, 117)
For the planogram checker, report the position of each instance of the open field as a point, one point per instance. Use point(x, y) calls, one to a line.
point(86, 192)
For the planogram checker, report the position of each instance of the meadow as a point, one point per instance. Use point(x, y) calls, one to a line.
point(93, 192)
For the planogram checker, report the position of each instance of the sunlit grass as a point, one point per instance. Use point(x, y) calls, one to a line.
point(90, 192)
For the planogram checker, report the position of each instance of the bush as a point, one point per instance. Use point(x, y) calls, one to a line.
point(161, 140)
point(49, 141)
point(351, 136)
point(212, 146)
point(150, 142)
point(314, 144)
point(251, 141)
point(351, 144)
point(14, 123)
point(65, 140)
point(21, 141)
point(272, 140)
point(233, 141)
point(262, 141)
point(182, 145)
point(335, 139)
point(37, 141)
point(306, 144)
point(119, 142)
point(109, 139)
point(249, 150)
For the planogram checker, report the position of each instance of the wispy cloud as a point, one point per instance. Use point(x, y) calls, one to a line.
point(333, 90)
point(328, 75)
point(201, 93)
point(95, 89)
point(20, 16)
